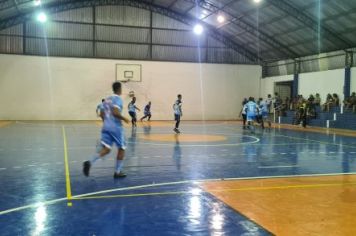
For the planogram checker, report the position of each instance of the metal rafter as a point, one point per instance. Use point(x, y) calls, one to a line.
point(186, 19)
point(254, 31)
point(310, 22)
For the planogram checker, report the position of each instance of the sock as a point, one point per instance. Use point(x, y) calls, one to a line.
point(94, 159)
point(119, 164)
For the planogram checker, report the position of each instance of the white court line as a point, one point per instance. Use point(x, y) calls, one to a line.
point(2, 168)
point(17, 167)
point(274, 167)
point(49, 202)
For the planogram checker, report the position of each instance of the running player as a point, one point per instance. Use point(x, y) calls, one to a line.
point(243, 113)
point(132, 111)
point(177, 107)
point(251, 112)
point(112, 132)
point(147, 112)
point(100, 109)
point(263, 107)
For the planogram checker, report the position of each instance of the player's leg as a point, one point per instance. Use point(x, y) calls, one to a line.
point(149, 117)
point(177, 118)
point(135, 119)
point(106, 141)
point(244, 118)
point(121, 144)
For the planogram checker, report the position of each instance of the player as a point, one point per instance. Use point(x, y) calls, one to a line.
point(243, 113)
point(112, 132)
point(177, 107)
point(147, 112)
point(100, 109)
point(251, 112)
point(263, 107)
point(132, 111)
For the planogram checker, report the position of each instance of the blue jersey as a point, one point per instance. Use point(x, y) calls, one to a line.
point(110, 121)
point(251, 108)
point(147, 109)
point(177, 107)
point(263, 107)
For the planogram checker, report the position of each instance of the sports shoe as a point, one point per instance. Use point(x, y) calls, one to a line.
point(176, 130)
point(119, 175)
point(86, 168)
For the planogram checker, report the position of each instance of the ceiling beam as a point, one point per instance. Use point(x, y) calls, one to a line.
point(310, 22)
point(252, 29)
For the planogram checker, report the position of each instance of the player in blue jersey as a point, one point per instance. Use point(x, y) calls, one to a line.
point(147, 112)
point(251, 112)
point(177, 108)
point(132, 111)
point(112, 132)
point(100, 109)
point(243, 113)
point(263, 108)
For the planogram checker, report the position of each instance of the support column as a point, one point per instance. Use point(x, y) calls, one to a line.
point(347, 78)
point(296, 78)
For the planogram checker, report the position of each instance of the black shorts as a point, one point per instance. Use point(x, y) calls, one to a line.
point(244, 117)
point(132, 114)
point(176, 117)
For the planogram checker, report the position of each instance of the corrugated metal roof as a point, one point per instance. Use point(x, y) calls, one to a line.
point(272, 29)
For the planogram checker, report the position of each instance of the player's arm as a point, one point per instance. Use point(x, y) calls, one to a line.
point(102, 114)
point(137, 108)
point(116, 112)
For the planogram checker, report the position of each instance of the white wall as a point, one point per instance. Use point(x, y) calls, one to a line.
point(323, 82)
point(39, 88)
point(267, 84)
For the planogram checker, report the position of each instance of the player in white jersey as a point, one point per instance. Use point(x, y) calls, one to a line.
point(263, 107)
point(112, 132)
point(132, 111)
point(177, 108)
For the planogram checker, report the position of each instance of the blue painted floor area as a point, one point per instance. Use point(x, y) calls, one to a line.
point(32, 171)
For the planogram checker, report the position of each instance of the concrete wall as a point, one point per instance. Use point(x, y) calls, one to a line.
point(39, 88)
point(323, 82)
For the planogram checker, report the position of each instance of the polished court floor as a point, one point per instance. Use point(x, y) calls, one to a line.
point(213, 179)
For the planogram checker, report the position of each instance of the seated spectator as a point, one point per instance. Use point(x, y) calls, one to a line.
point(336, 100)
point(317, 100)
point(350, 102)
point(329, 102)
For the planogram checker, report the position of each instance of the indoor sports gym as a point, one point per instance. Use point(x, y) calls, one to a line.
point(177, 117)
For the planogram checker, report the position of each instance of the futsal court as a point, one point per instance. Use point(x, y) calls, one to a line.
point(212, 179)
point(177, 117)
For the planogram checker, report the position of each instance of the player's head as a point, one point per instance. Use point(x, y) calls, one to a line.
point(353, 94)
point(103, 100)
point(133, 99)
point(179, 97)
point(269, 95)
point(116, 88)
point(149, 103)
point(260, 99)
point(250, 99)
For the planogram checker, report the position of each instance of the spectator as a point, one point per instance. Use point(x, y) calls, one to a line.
point(269, 102)
point(317, 100)
point(329, 102)
point(336, 100)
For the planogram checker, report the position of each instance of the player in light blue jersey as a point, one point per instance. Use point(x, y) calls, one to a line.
point(132, 111)
point(100, 109)
point(112, 132)
point(251, 112)
point(263, 107)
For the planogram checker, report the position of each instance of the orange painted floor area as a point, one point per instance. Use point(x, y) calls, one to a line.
point(294, 206)
point(4, 123)
point(183, 138)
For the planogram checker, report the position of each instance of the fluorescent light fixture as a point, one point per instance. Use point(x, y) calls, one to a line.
point(42, 17)
point(198, 29)
point(220, 18)
point(37, 2)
